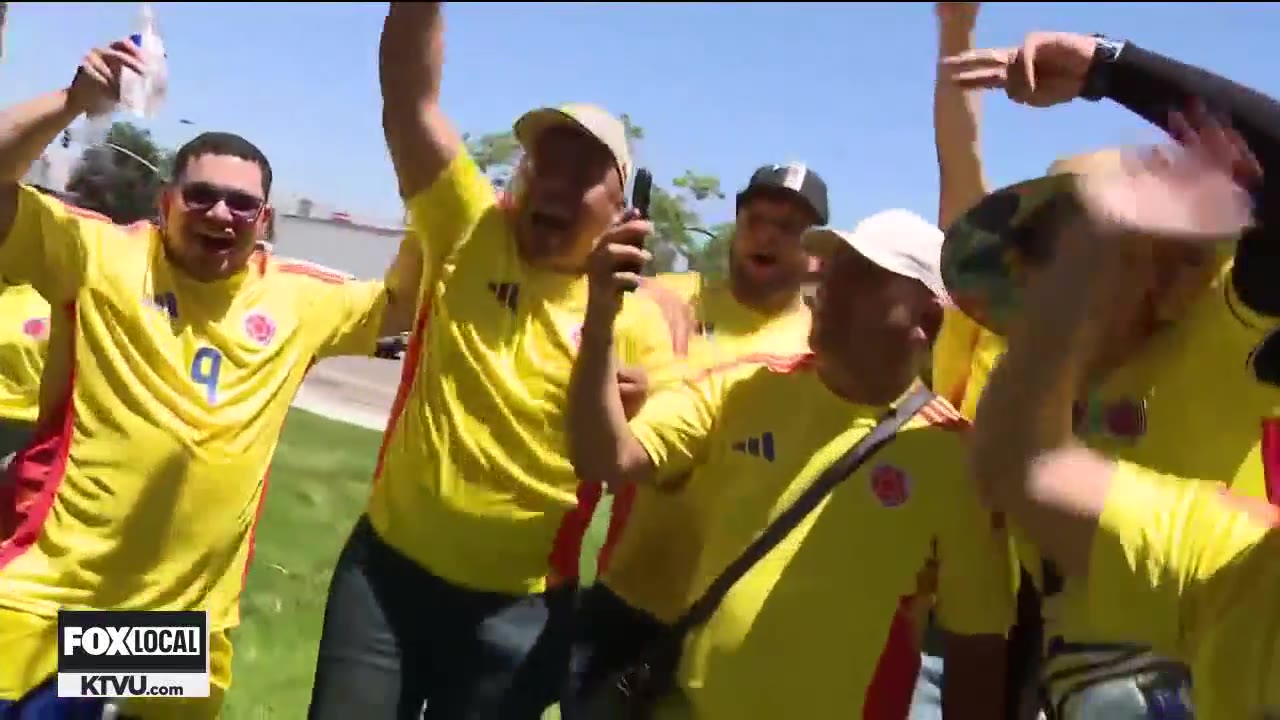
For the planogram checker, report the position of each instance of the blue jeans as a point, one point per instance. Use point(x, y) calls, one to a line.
point(926, 701)
point(401, 643)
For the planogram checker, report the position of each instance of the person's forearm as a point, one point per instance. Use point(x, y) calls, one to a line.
point(955, 129)
point(599, 439)
point(27, 129)
point(1026, 407)
point(1153, 85)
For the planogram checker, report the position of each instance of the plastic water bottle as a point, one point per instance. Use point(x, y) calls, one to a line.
point(141, 94)
point(4, 12)
point(144, 94)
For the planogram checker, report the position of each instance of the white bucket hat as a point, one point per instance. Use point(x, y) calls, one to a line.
point(897, 240)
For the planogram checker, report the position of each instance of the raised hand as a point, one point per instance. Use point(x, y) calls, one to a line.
point(611, 266)
point(96, 86)
point(1049, 68)
point(1194, 191)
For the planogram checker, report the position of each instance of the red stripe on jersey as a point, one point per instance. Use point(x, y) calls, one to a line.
point(940, 414)
point(781, 364)
point(408, 375)
point(1271, 459)
point(567, 546)
point(328, 276)
point(253, 529)
point(894, 681)
point(37, 471)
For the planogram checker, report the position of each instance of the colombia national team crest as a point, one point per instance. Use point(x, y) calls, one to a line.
point(890, 485)
point(36, 328)
point(260, 328)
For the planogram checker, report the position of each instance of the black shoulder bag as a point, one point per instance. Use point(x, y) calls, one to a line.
point(645, 682)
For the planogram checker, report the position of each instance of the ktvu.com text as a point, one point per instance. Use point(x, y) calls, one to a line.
point(123, 654)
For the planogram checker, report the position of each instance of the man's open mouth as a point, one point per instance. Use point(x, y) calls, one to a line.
point(762, 261)
point(550, 221)
point(215, 242)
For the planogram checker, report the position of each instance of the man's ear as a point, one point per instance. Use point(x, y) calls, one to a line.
point(164, 202)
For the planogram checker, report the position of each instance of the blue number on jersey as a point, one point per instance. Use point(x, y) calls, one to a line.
point(205, 368)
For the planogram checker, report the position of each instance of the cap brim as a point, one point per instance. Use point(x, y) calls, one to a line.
point(749, 192)
point(982, 268)
point(533, 123)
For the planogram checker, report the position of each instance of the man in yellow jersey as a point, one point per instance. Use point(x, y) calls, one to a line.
point(1183, 564)
point(173, 356)
point(824, 625)
point(649, 553)
point(456, 589)
point(1193, 414)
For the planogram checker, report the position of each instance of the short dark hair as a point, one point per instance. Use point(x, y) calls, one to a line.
point(222, 143)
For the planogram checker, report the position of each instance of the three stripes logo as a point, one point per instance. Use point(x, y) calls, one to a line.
point(507, 293)
point(761, 446)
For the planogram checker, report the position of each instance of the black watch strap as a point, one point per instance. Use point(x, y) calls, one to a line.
point(1097, 80)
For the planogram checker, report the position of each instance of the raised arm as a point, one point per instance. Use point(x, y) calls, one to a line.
point(1151, 85)
point(421, 140)
point(27, 129)
point(955, 118)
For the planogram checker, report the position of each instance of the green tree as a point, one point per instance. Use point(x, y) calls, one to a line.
point(121, 177)
point(495, 154)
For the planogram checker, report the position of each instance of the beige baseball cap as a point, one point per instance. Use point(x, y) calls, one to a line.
point(899, 241)
point(595, 120)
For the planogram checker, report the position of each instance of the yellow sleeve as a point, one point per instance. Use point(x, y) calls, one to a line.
point(1164, 547)
point(642, 336)
point(975, 554)
point(675, 424)
point(443, 215)
point(354, 311)
point(52, 246)
point(953, 355)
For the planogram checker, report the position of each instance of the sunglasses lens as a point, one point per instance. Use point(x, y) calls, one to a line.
point(243, 204)
point(199, 196)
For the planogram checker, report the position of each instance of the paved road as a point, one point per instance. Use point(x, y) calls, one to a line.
point(359, 391)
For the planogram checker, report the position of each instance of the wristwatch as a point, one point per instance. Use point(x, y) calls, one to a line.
point(1097, 79)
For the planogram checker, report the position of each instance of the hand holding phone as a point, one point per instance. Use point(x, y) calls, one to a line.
point(641, 193)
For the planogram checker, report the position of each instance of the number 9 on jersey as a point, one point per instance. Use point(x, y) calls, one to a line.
point(205, 368)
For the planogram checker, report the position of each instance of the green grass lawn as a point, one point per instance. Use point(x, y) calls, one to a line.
point(319, 481)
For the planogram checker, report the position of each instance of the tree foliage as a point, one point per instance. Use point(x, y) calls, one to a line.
point(121, 177)
point(674, 209)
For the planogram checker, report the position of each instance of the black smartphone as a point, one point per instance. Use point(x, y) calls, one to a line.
point(641, 193)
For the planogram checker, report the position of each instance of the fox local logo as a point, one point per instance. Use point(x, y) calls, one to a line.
point(100, 641)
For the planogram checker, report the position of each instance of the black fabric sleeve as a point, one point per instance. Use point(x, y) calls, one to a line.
point(1152, 86)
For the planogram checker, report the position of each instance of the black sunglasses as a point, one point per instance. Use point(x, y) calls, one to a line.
point(203, 197)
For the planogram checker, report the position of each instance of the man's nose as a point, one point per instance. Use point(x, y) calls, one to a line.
point(220, 212)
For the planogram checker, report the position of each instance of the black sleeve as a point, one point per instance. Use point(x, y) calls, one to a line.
point(1152, 86)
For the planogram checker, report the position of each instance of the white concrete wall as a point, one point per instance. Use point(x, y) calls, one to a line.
point(363, 251)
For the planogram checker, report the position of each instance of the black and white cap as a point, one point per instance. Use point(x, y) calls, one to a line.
point(795, 178)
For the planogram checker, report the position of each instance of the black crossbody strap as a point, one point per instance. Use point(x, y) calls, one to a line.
point(705, 606)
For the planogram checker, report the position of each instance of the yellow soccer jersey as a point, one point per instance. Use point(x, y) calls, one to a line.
point(1189, 566)
point(823, 625)
point(650, 552)
point(474, 481)
point(160, 409)
point(24, 336)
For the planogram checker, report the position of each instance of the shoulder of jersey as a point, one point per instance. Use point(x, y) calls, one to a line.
point(940, 414)
point(306, 268)
point(140, 227)
point(780, 364)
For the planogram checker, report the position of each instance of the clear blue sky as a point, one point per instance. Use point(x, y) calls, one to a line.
point(718, 87)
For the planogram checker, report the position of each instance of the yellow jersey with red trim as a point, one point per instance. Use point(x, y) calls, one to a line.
point(650, 551)
point(24, 337)
point(824, 625)
point(161, 405)
point(474, 481)
point(1192, 567)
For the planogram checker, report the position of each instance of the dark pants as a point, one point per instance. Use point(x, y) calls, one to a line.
point(397, 638)
point(609, 637)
